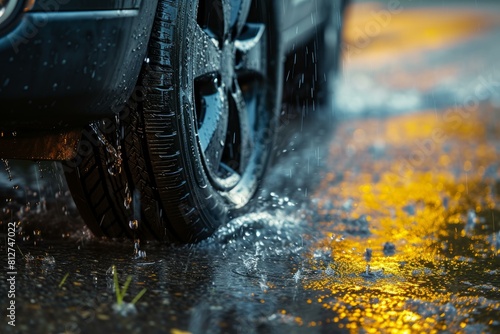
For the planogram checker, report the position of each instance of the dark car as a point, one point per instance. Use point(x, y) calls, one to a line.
point(163, 112)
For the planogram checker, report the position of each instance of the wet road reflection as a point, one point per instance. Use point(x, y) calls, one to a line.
point(410, 239)
point(390, 224)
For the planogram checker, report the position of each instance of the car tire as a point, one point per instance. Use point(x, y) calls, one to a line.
point(192, 145)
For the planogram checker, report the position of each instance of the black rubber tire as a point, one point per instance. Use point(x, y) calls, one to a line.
point(175, 191)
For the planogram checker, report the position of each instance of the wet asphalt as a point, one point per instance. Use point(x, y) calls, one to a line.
point(389, 223)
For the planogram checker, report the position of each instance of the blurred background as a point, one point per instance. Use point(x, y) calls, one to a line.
point(402, 56)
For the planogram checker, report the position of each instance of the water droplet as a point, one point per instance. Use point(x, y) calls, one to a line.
point(111, 271)
point(49, 260)
point(250, 264)
point(128, 198)
point(138, 253)
point(263, 283)
point(368, 254)
point(124, 309)
point(114, 168)
point(115, 162)
point(133, 224)
point(141, 254)
point(297, 276)
point(329, 271)
point(389, 249)
point(136, 202)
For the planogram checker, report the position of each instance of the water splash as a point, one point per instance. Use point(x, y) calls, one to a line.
point(48, 260)
point(128, 197)
point(389, 249)
point(114, 163)
point(138, 253)
point(263, 283)
point(133, 224)
point(471, 222)
point(250, 263)
point(7, 168)
point(297, 276)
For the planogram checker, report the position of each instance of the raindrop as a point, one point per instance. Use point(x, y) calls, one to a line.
point(111, 271)
point(389, 249)
point(138, 253)
point(329, 271)
point(263, 283)
point(297, 276)
point(28, 257)
point(128, 198)
point(250, 264)
point(115, 162)
point(347, 205)
point(133, 224)
point(40, 171)
point(48, 260)
point(124, 309)
point(471, 221)
point(136, 201)
point(113, 168)
point(368, 255)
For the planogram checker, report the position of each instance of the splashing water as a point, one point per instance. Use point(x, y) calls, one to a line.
point(114, 164)
point(7, 168)
point(133, 224)
point(138, 253)
point(128, 197)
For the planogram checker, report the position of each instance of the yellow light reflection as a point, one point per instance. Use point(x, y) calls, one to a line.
point(421, 210)
point(374, 31)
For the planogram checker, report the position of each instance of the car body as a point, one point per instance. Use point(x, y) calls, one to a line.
point(65, 64)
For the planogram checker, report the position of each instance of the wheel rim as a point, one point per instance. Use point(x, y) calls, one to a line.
point(230, 93)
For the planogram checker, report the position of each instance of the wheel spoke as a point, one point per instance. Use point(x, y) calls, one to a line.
point(239, 15)
point(211, 18)
point(230, 72)
point(227, 8)
point(245, 129)
point(251, 50)
point(207, 55)
point(212, 132)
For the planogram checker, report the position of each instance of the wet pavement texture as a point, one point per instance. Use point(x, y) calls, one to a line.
point(391, 223)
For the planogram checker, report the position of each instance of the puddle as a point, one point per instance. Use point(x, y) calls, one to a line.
point(426, 256)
